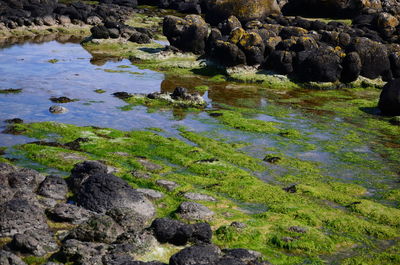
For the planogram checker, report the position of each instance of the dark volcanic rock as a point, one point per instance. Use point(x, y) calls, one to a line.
point(53, 187)
point(87, 253)
point(374, 57)
point(97, 191)
point(34, 242)
point(188, 34)
point(18, 216)
point(128, 219)
point(100, 32)
point(102, 229)
point(82, 171)
point(227, 53)
point(69, 213)
point(196, 255)
point(351, 67)
point(320, 65)
point(178, 233)
point(389, 101)
point(8, 258)
point(22, 179)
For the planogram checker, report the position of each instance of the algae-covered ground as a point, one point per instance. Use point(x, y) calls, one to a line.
point(344, 198)
point(313, 173)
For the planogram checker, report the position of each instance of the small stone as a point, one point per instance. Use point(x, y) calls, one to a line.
point(167, 184)
point(58, 109)
point(238, 225)
point(291, 189)
point(297, 229)
point(14, 121)
point(216, 114)
point(61, 100)
point(199, 197)
point(287, 239)
point(148, 165)
point(194, 211)
point(272, 159)
point(140, 174)
point(122, 95)
point(151, 194)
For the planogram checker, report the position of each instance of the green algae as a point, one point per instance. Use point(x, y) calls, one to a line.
point(11, 91)
point(219, 169)
point(53, 61)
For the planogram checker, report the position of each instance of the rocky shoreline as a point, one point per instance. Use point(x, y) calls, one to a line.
point(94, 217)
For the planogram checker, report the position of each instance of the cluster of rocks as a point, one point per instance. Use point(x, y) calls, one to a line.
point(306, 50)
point(179, 98)
point(338, 8)
point(114, 30)
point(109, 222)
point(19, 13)
point(221, 9)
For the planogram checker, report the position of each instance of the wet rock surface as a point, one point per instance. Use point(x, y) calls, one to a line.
point(389, 102)
point(305, 50)
point(27, 13)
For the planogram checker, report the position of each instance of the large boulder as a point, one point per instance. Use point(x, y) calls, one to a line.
point(319, 65)
point(196, 255)
point(227, 53)
point(389, 102)
point(178, 233)
point(99, 192)
point(351, 67)
point(34, 242)
point(219, 10)
point(374, 58)
point(188, 34)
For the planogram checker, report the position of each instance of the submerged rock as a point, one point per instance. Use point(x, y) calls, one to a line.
point(58, 109)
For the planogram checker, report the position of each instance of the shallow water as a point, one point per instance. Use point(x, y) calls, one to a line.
point(77, 75)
